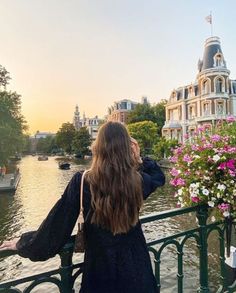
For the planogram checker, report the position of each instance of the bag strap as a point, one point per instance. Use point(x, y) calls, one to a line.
point(81, 215)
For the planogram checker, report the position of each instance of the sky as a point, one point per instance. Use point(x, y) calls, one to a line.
point(93, 52)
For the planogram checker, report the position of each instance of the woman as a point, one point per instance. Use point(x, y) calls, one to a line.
point(116, 257)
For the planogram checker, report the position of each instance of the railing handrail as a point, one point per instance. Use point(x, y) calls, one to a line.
point(199, 233)
point(143, 219)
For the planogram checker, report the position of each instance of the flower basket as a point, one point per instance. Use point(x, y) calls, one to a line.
point(205, 170)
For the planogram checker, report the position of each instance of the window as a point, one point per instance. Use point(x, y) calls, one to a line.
point(219, 85)
point(206, 109)
point(218, 60)
point(191, 112)
point(205, 87)
point(220, 108)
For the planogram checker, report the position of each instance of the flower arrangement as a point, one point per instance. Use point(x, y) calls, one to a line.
point(205, 169)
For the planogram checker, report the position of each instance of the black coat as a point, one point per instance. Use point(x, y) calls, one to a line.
point(112, 264)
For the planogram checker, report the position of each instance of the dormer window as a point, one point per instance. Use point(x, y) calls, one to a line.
point(173, 96)
point(218, 60)
point(190, 92)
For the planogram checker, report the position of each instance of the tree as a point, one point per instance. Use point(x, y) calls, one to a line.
point(146, 112)
point(145, 132)
point(163, 147)
point(12, 123)
point(81, 142)
point(142, 112)
point(4, 76)
point(65, 136)
point(160, 114)
point(46, 145)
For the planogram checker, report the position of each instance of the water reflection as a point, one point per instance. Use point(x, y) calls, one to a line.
point(42, 183)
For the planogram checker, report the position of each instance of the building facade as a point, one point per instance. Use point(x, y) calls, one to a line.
point(210, 98)
point(119, 111)
point(92, 124)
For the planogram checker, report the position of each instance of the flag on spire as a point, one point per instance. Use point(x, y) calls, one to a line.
point(209, 18)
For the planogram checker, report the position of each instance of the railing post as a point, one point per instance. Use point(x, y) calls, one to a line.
point(202, 215)
point(66, 270)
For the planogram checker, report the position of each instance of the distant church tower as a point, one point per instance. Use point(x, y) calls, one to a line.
point(76, 119)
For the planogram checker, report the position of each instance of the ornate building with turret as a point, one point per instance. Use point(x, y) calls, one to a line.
point(210, 98)
point(92, 124)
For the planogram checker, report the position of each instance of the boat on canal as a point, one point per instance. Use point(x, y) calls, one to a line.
point(42, 158)
point(64, 165)
point(10, 181)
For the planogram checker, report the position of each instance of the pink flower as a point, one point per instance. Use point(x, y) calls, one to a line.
point(187, 158)
point(215, 137)
point(230, 119)
point(200, 129)
point(174, 172)
point(173, 159)
point(177, 182)
point(195, 199)
point(231, 164)
point(224, 206)
point(195, 147)
point(232, 173)
point(222, 166)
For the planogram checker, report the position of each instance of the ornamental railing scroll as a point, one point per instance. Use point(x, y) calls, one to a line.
point(65, 276)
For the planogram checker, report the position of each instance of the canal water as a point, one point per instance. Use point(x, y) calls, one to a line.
point(42, 184)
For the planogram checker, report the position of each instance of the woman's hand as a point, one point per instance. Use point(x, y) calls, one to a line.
point(136, 150)
point(9, 245)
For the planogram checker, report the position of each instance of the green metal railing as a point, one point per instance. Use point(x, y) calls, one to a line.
point(64, 277)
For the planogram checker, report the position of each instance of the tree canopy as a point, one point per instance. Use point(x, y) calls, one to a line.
point(81, 142)
point(65, 136)
point(146, 112)
point(12, 122)
point(145, 132)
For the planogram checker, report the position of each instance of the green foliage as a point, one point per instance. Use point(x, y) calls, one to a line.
point(160, 114)
point(4, 76)
point(46, 145)
point(146, 112)
point(81, 142)
point(65, 136)
point(12, 124)
point(26, 144)
point(162, 148)
point(145, 132)
point(227, 128)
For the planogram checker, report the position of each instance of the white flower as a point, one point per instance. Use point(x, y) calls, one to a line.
point(180, 191)
point(221, 187)
point(180, 199)
point(213, 219)
point(206, 178)
point(211, 204)
point(218, 195)
point(216, 158)
point(205, 191)
point(226, 213)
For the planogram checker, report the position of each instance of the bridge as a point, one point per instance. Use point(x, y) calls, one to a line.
point(64, 277)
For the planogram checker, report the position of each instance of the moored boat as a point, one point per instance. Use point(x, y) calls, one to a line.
point(42, 158)
point(64, 165)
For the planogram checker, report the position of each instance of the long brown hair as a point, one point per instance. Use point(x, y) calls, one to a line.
point(115, 183)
